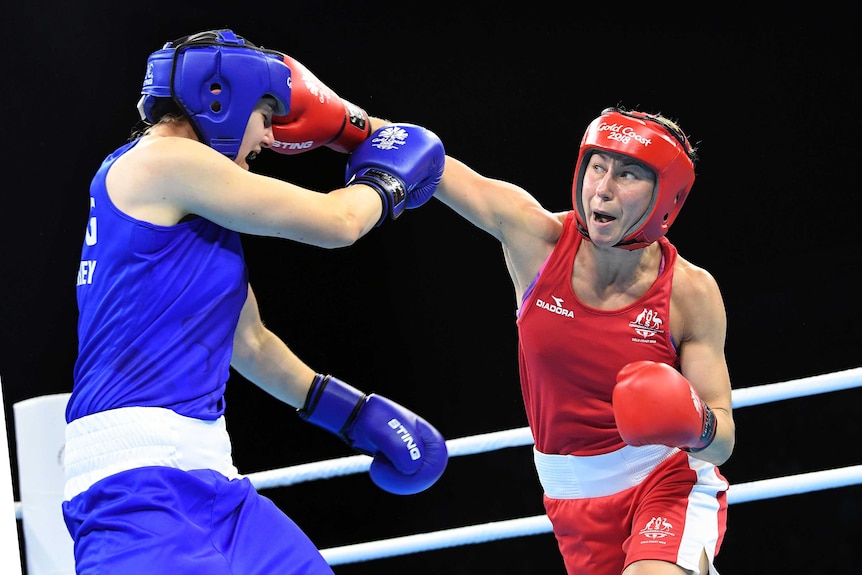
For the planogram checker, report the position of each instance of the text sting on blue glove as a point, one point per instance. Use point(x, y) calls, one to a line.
point(409, 454)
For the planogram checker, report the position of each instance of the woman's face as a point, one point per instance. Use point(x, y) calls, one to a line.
point(616, 192)
point(258, 132)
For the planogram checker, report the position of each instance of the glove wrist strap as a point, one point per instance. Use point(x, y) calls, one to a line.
point(355, 129)
point(392, 191)
point(332, 405)
point(710, 426)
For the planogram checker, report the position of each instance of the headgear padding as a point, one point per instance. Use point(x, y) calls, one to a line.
point(644, 138)
point(216, 78)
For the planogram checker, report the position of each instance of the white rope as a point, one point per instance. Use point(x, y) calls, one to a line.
point(744, 397)
point(795, 484)
point(437, 540)
point(804, 387)
point(310, 471)
point(358, 463)
point(519, 437)
point(539, 524)
point(739, 493)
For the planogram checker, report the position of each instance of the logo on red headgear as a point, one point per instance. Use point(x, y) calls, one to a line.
point(623, 134)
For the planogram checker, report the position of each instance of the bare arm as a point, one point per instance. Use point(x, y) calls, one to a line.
point(377, 123)
point(164, 179)
point(526, 230)
point(698, 302)
point(265, 360)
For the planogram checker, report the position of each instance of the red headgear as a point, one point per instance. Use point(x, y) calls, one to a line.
point(667, 153)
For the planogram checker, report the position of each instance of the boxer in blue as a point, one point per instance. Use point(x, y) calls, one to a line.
point(166, 308)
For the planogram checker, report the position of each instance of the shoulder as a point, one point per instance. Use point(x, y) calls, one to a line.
point(164, 163)
point(693, 275)
point(695, 295)
point(526, 248)
point(693, 281)
point(154, 179)
point(176, 152)
point(544, 225)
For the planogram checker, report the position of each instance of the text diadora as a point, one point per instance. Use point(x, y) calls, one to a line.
point(557, 309)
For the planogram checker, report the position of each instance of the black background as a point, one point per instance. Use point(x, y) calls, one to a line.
point(421, 310)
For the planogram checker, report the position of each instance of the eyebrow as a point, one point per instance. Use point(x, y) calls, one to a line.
point(622, 158)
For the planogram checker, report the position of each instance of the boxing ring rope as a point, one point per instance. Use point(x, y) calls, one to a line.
point(519, 437)
point(740, 493)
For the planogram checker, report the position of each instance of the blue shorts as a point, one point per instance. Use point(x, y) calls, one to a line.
point(164, 520)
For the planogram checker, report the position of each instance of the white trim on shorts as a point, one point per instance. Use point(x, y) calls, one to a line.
point(102, 444)
point(581, 477)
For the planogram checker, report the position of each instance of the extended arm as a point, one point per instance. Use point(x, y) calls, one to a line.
point(500, 208)
point(526, 230)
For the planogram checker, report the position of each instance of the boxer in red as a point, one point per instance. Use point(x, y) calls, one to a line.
point(621, 345)
point(621, 349)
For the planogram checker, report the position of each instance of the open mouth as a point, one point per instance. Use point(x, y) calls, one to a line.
point(250, 157)
point(603, 218)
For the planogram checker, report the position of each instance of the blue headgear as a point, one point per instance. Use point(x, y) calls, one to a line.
point(216, 78)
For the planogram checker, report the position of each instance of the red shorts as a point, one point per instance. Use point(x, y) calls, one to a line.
point(678, 511)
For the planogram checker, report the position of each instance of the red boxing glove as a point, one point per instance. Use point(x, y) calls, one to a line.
point(655, 404)
point(317, 117)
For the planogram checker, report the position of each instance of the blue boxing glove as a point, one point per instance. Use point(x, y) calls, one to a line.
point(402, 162)
point(409, 454)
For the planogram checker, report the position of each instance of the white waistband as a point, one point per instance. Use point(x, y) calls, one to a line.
point(579, 477)
point(109, 442)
